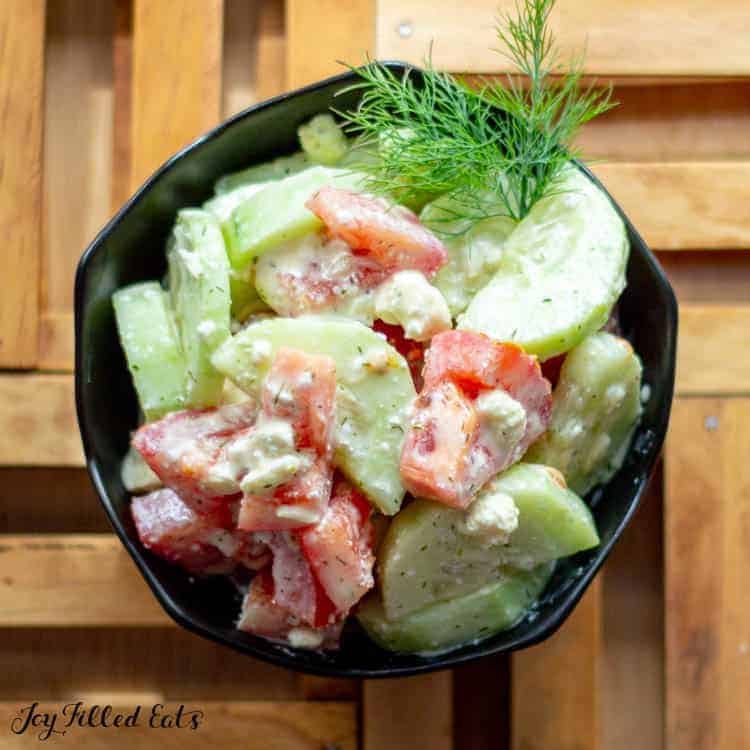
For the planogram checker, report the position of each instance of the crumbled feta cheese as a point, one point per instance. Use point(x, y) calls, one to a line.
point(502, 416)
point(223, 540)
point(305, 638)
point(260, 352)
point(492, 518)
point(205, 328)
point(409, 300)
point(298, 513)
point(375, 359)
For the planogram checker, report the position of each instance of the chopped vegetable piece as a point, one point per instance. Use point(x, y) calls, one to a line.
point(411, 351)
point(339, 549)
point(454, 622)
point(432, 553)
point(373, 392)
point(199, 289)
point(323, 140)
point(146, 325)
point(390, 234)
point(136, 474)
point(277, 169)
point(482, 405)
point(595, 408)
point(183, 448)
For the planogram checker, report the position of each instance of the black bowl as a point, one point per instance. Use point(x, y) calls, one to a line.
point(131, 248)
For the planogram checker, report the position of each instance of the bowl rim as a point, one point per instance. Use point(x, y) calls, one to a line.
point(289, 658)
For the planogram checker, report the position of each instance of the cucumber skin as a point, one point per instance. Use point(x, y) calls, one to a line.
point(370, 406)
point(277, 214)
point(277, 169)
point(562, 270)
point(200, 293)
point(425, 558)
point(148, 334)
point(450, 624)
point(598, 363)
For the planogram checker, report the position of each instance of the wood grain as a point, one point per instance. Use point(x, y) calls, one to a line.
point(59, 580)
point(672, 37)
point(21, 112)
point(37, 413)
point(176, 78)
point(251, 726)
point(707, 521)
point(408, 713)
point(708, 277)
point(684, 205)
point(322, 34)
point(712, 353)
point(633, 631)
point(122, 111)
point(556, 686)
point(78, 159)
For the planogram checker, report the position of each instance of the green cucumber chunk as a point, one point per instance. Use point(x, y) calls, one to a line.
point(595, 408)
point(246, 300)
point(561, 271)
point(323, 140)
point(277, 214)
point(281, 167)
point(136, 474)
point(221, 206)
point(474, 249)
point(199, 289)
point(449, 624)
point(373, 392)
point(148, 334)
point(428, 557)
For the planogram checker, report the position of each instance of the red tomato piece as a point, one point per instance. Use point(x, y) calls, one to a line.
point(301, 389)
point(551, 368)
point(448, 454)
point(412, 351)
point(339, 549)
point(391, 235)
point(183, 447)
point(263, 615)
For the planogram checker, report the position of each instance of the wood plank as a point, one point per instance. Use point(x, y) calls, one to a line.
point(685, 205)
point(673, 37)
point(711, 276)
point(60, 580)
point(144, 664)
point(633, 631)
point(407, 713)
point(322, 34)
point(78, 159)
point(712, 353)
point(122, 71)
point(21, 112)
point(556, 686)
point(707, 518)
point(328, 688)
point(274, 726)
point(37, 414)
point(177, 99)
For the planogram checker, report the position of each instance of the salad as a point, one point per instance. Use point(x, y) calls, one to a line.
point(382, 372)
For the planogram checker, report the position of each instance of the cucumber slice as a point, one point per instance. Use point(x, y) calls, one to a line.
point(427, 557)
point(146, 326)
point(562, 269)
point(246, 300)
point(277, 213)
point(595, 408)
point(477, 615)
point(474, 250)
point(373, 392)
point(136, 474)
point(221, 206)
point(199, 288)
point(323, 140)
point(277, 169)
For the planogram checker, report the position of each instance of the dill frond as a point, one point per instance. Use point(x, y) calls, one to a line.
point(437, 136)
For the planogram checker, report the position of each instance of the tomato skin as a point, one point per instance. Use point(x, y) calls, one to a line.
point(339, 549)
point(391, 235)
point(182, 447)
point(551, 368)
point(447, 455)
point(412, 351)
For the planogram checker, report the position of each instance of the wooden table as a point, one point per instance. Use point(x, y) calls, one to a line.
point(94, 95)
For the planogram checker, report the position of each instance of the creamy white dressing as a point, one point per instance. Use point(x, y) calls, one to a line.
point(491, 518)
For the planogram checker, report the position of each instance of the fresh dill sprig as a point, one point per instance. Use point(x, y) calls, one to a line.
point(438, 136)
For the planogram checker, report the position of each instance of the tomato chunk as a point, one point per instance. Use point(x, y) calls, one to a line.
point(412, 351)
point(182, 449)
point(201, 543)
point(460, 437)
point(339, 549)
point(299, 390)
point(392, 235)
